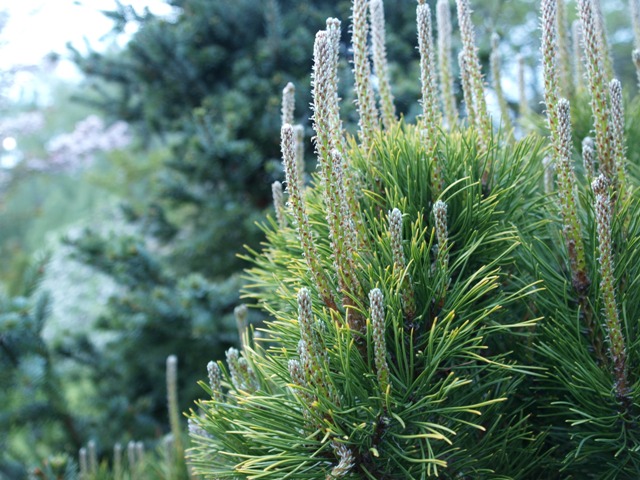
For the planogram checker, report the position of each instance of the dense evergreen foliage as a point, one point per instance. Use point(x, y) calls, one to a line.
point(470, 315)
point(34, 404)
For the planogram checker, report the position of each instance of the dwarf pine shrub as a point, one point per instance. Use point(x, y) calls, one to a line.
point(443, 302)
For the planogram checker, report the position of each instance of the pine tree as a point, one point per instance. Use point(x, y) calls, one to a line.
point(387, 353)
point(468, 316)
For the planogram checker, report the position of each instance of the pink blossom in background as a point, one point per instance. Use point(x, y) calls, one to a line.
point(25, 123)
point(76, 150)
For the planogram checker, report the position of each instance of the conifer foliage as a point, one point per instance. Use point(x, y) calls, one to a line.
point(442, 303)
point(32, 397)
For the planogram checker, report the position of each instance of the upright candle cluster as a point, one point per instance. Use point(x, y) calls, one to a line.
point(431, 118)
point(472, 69)
point(596, 75)
point(395, 231)
point(369, 119)
point(381, 70)
point(617, 348)
point(443, 20)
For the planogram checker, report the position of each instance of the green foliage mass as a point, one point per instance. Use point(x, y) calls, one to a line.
point(32, 397)
point(591, 428)
point(452, 381)
point(504, 366)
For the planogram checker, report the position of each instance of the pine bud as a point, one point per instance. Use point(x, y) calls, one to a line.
point(305, 361)
point(322, 93)
point(442, 233)
point(603, 39)
point(172, 375)
point(298, 131)
point(327, 124)
point(168, 443)
point(430, 110)
point(242, 375)
point(467, 90)
point(346, 460)
point(395, 230)
point(172, 401)
point(589, 157)
point(443, 20)
point(288, 103)
point(84, 463)
point(597, 85)
point(241, 314)
point(334, 33)
point(617, 131)
point(333, 108)
point(564, 63)
point(466, 33)
point(313, 355)
point(307, 364)
point(278, 203)
point(362, 73)
point(287, 146)
point(568, 197)
point(215, 380)
point(376, 12)
point(117, 461)
point(300, 216)
point(248, 375)
point(376, 301)
point(600, 185)
point(578, 66)
point(307, 324)
point(233, 358)
point(549, 49)
point(131, 455)
point(140, 453)
point(617, 349)
point(472, 65)
point(296, 372)
point(93, 457)
point(335, 180)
